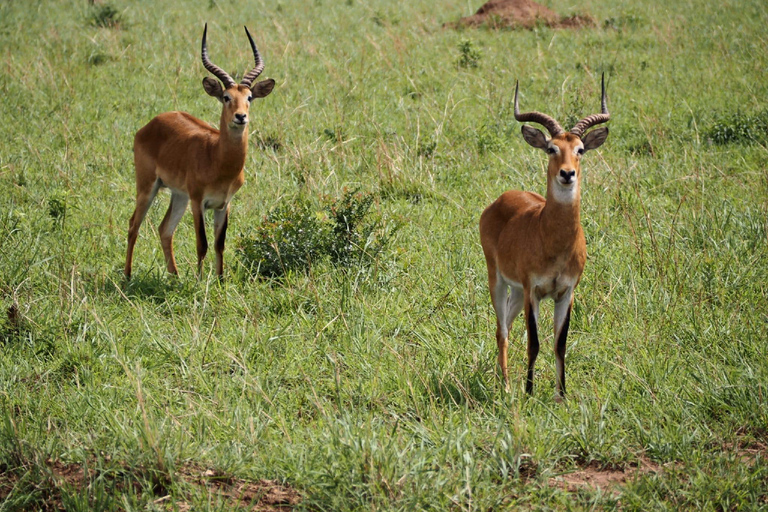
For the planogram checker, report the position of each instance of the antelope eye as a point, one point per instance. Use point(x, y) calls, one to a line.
point(580, 151)
point(551, 151)
point(227, 99)
point(250, 98)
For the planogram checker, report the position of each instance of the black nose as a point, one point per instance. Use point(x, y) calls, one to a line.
point(241, 118)
point(567, 175)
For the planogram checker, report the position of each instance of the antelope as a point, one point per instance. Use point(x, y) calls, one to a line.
point(196, 161)
point(534, 246)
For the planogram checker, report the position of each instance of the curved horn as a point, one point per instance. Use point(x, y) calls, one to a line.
point(547, 122)
point(256, 71)
point(590, 121)
point(213, 68)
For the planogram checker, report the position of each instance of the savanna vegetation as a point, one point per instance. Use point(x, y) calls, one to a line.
point(347, 361)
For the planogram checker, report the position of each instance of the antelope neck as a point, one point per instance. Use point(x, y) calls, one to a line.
point(232, 148)
point(561, 221)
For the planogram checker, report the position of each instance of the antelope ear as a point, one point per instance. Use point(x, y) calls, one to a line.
point(534, 137)
point(595, 138)
point(263, 88)
point(213, 87)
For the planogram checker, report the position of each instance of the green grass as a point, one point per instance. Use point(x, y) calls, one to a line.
point(375, 387)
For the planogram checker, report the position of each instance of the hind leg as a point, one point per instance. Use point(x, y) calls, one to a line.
point(507, 303)
point(145, 194)
point(512, 303)
point(172, 218)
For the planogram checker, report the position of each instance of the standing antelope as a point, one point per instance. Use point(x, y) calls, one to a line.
point(197, 162)
point(535, 247)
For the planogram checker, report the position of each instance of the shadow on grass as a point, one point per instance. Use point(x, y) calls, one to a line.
point(468, 390)
point(153, 286)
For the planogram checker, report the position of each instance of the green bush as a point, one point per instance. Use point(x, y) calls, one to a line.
point(739, 128)
point(349, 233)
point(57, 206)
point(104, 16)
point(469, 56)
point(291, 237)
point(295, 236)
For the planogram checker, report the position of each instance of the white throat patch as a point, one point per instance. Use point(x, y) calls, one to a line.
point(566, 194)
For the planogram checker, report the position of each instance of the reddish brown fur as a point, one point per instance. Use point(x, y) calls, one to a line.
point(526, 237)
point(532, 234)
point(198, 163)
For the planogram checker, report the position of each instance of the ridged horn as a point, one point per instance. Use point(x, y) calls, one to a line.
point(258, 68)
point(590, 121)
point(547, 122)
point(213, 68)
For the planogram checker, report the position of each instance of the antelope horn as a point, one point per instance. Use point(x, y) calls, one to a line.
point(537, 117)
point(590, 121)
point(213, 68)
point(256, 71)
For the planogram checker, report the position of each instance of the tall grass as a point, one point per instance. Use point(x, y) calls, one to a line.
point(374, 386)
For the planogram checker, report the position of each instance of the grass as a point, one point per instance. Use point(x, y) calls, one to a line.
point(375, 387)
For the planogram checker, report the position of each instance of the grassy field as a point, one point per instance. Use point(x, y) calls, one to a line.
point(371, 384)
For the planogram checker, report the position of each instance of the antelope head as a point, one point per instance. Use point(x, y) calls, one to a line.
point(565, 149)
point(235, 98)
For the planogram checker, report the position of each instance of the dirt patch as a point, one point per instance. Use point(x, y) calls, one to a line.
point(607, 478)
point(261, 495)
point(257, 496)
point(748, 452)
point(521, 14)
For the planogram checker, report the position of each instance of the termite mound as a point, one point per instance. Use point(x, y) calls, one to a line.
point(527, 14)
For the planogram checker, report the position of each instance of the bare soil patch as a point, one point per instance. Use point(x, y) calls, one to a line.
point(257, 496)
point(748, 452)
point(261, 495)
point(607, 478)
point(521, 14)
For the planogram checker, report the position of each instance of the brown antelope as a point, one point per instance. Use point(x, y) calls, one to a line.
point(196, 162)
point(534, 246)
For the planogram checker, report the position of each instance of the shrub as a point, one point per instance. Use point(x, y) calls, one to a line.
point(469, 56)
point(490, 138)
point(347, 240)
point(291, 237)
point(57, 206)
point(426, 149)
point(739, 128)
point(104, 16)
point(295, 236)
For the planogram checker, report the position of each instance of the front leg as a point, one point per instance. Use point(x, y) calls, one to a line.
point(563, 307)
point(531, 317)
point(202, 241)
point(220, 221)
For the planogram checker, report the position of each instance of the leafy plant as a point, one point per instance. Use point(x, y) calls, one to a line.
point(269, 141)
point(290, 237)
point(349, 233)
point(426, 149)
point(296, 236)
point(489, 138)
point(104, 16)
point(469, 56)
point(57, 207)
point(739, 128)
